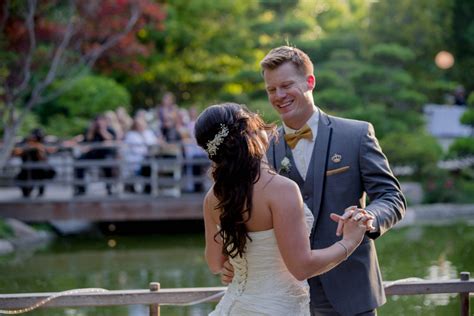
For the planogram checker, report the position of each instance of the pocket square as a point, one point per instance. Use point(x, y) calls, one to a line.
point(336, 171)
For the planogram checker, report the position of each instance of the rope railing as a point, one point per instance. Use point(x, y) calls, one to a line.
point(155, 296)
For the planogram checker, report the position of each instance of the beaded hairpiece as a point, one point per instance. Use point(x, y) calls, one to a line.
point(213, 144)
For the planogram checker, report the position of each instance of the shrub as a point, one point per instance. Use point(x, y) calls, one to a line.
point(391, 54)
point(470, 99)
point(337, 99)
point(5, 230)
point(468, 117)
point(417, 150)
point(441, 187)
point(88, 96)
point(461, 147)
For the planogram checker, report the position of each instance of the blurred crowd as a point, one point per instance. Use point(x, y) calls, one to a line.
point(137, 135)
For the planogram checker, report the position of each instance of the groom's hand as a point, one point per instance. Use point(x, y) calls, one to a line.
point(227, 273)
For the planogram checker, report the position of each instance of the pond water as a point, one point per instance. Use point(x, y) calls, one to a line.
point(176, 260)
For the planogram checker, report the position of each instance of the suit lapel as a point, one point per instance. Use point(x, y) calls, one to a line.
point(279, 151)
point(318, 163)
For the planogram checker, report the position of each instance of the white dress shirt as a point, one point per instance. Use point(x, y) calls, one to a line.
point(304, 148)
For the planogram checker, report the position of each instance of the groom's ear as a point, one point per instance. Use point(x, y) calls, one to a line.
point(311, 82)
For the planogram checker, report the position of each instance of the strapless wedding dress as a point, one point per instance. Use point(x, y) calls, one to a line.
point(262, 285)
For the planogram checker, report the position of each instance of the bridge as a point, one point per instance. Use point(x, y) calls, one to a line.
point(171, 182)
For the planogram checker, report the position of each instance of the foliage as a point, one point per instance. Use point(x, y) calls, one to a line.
point(201, 61)
point(31, 121)
point(462, 42)
point(425, 28)
point(87, 97)
point(470, 99)
point(417, 150)
point(468, 117)
point(5, 229)
point(337, 99)
point(422, 26)
point(96, 21)
point(386, 121)
point(461, 147)
point(391, 54)
point(46, 41)
point(342, 16)
point(385, 80)
point(66, 127)
point(441, 187)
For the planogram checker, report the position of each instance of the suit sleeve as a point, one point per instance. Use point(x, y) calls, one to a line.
point(387, 202)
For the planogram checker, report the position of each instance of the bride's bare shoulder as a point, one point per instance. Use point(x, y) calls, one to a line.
point(210, 199)
point(279, 183)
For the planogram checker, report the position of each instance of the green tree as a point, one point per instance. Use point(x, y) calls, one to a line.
point(464, 146)
point(88, 96)
point(205, 45)
point(384, 78)
point(462, 42)
point(418, 150)
point(45, 41)
point(425, 28)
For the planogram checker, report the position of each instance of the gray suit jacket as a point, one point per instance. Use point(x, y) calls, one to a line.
point(346, 167)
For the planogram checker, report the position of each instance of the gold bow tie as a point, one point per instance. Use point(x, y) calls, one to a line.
point(293, 138)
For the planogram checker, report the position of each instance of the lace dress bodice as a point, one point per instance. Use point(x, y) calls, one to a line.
point(262, 284)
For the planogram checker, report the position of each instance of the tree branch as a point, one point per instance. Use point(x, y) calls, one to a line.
point(96, 53)
point(58, 55)
point(30, 25)
point(90, 59)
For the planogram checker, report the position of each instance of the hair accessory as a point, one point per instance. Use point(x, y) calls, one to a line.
point(213, 144)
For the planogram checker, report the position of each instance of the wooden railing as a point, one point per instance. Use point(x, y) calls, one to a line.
point(154, 297)
point(170, 169)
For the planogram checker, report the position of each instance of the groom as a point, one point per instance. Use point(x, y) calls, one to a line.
point(337, 164)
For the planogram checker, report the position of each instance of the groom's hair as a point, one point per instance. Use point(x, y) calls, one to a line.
point(284, 54)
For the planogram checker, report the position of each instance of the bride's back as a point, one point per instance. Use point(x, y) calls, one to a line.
point(265, 191)
point(262, 283)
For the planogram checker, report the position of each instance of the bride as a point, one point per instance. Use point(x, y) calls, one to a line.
point(257, 220)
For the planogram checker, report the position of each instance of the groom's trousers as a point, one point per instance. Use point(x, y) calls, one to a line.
point(322, 307)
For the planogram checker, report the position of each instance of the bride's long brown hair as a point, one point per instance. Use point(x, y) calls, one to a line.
point(236, 166)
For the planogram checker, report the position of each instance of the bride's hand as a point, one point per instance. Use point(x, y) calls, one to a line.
point(227, 273)
point(354, 225)
point(348, 213)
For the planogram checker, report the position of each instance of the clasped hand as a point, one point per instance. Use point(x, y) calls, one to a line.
point(353, 213)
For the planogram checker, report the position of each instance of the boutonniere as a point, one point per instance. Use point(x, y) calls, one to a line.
point(285, 165)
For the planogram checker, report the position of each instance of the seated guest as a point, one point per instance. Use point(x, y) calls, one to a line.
point(34, 150)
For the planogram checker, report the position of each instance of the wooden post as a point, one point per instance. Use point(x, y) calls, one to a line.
point(154, 308)
point(465, 296)
point(154, 176)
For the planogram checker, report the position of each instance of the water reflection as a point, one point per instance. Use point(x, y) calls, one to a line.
point(442, 270)
point(178, 261)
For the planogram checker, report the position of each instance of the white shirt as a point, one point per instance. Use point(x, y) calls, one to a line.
point(137, 147)
point(304, 148)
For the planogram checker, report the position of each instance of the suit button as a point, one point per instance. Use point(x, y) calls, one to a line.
point(306, 197)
